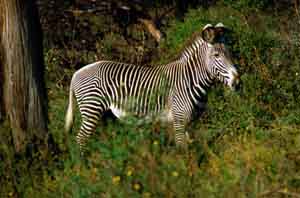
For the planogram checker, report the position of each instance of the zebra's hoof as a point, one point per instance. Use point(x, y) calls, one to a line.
point(190, 141)
point(182, 147)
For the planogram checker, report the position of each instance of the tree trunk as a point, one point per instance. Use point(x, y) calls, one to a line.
point(24, 92)
point(1, 87)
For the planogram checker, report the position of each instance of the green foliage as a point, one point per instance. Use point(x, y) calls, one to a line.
point(243, 5)
point(247, 143)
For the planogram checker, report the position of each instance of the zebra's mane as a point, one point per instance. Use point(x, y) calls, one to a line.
point(191, 47)
point(191, 40)
point(194, 39)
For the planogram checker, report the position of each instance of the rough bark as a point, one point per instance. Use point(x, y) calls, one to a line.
point(1, 87)
point(22, 66)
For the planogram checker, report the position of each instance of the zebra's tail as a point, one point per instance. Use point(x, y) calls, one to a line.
point(69, 114)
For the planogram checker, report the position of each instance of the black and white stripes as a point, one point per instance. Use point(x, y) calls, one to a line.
point(176, 90)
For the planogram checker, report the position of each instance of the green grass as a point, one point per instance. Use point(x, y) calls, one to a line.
point(247, 143)
point(255, 154)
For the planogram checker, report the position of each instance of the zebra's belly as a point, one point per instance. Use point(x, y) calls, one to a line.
point(164, 116)
point(118, 112)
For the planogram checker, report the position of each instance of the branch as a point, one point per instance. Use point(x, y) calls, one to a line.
point(152, 29)
point(77, 12)
point(279, 190)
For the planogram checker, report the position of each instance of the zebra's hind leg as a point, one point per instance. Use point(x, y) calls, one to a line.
point(87, 128)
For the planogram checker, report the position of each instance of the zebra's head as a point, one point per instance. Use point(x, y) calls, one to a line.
point(218, 59)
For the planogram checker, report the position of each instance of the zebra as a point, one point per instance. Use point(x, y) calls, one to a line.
point(175, 92)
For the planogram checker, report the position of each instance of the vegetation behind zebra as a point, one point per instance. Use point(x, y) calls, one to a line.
point(247, 144)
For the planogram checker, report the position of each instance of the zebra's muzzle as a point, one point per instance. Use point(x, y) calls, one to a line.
point(235, 83)
point(234, 79)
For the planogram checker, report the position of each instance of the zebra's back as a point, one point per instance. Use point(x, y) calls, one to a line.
point(123, 88)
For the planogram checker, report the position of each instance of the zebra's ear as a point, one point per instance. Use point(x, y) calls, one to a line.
point(208, 33)
point(220, 29)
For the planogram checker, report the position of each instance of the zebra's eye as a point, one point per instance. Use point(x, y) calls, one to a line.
point(217, 55)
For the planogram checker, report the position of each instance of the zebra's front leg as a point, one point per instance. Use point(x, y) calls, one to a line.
point(181, 136)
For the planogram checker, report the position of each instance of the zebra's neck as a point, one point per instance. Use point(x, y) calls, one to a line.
point(195, 69)
point(190, 69)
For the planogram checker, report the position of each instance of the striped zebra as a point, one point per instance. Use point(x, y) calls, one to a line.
point(175, 92)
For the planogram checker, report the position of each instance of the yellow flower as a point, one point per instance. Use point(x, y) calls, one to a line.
point(285, 190)
point(147, 195)
point(10, 194)
point(155, 142)
point(136, 186)
point(175, 174)
point(94, 170)
point(129, 172)
point(116, 179)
